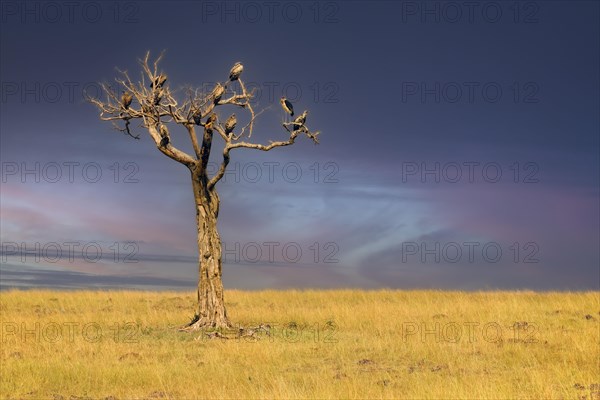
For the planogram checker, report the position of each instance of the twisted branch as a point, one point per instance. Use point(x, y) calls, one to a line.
point(153, 103)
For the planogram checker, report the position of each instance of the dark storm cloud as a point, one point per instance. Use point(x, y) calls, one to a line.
point(436, 127)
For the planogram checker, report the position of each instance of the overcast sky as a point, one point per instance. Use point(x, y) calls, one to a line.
point(459, 145)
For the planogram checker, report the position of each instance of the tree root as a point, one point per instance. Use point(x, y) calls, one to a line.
point(225, 330)
point(213, 335)
point(198, 323)
point(251, 332)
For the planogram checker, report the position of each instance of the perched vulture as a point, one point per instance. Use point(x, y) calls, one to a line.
point(218, 92)
point(197, 116)
point(230, 123)
point(236, 71)
point(287, 106)
point(159, 81)
point(300, 120)
point(126, 99)
point(164, 134)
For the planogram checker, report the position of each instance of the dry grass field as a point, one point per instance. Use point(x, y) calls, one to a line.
point(321, 344)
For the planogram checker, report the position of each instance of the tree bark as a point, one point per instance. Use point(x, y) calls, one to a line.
point(210, 312)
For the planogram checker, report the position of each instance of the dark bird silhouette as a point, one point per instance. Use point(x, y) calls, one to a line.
point(300, 120)
point(230, 123)
point(217, 92)
point(159, 81)
point(164, 134)
point(236, 71)
point(126, 99)
point(287, 106)
point(197, 117)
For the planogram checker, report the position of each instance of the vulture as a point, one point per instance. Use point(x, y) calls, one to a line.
point(126, 99)
point(218, 92)
point(287, 106)
point(164, 134)
point(300, 120)
point(230, 123)
point(197, 117)
point(159, 81)
point(236, 71)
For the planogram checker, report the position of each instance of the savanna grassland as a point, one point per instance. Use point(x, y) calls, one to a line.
point(321, 344)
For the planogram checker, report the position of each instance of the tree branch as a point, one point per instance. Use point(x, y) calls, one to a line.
point(169, 150)
point(221, 172)
point(152, 102)
point(234, 145)
point(206, 147)
point(192, 132)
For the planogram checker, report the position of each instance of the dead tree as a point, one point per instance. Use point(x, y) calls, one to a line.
point(152, 103)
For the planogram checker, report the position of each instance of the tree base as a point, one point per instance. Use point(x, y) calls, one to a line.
point(198, 323)
point(224, 329)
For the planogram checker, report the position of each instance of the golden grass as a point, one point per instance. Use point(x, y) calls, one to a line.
point(324, 344)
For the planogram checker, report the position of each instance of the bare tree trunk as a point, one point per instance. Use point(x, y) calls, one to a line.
point(210, 312)
point(156, 107)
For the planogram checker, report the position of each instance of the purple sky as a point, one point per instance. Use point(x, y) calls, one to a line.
point(459, 145)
